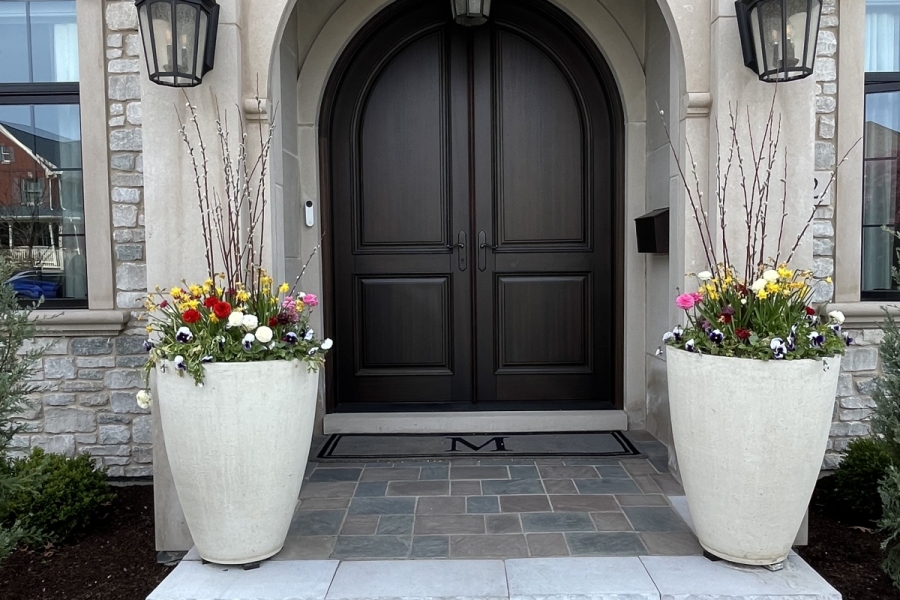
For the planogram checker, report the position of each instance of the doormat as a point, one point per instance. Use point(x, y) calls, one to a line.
point(346, 446)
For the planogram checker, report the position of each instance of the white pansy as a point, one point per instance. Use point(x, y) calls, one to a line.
point(327, 344)
point(143, 399)
point(704, 275)
point(250, 322)
point(235, 319)
point(263, 335)
point(310, 334)
point(758, 285)
point(770, 275)
point(837, 316)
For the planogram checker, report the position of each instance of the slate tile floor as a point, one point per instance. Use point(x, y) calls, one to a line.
point(490, 508)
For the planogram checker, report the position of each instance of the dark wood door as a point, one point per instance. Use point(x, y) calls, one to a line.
point(473, 210)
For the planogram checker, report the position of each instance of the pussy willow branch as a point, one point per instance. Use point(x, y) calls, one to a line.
point(699, 215)
point(200, 187)
point(305, 265)
point(821, 203)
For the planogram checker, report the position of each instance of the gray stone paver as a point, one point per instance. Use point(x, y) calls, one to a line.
point(583, 578)
point(470, 507)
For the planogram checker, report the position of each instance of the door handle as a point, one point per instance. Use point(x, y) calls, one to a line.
point(482, 250)
point(460, 247)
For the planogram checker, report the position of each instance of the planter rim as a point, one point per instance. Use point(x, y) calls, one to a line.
point(757, 360)
point(238, 365)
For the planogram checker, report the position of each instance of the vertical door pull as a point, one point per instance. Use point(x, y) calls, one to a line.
point(482, 250)
point(461, 252)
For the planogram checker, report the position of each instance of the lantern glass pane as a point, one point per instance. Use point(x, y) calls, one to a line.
point(474, 8)
point(773, 36)
point(201, 43)
point(802, 19)
point(161, 20)
point(185, 41)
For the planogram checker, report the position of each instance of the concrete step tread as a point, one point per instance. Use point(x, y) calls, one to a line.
point(613, 578)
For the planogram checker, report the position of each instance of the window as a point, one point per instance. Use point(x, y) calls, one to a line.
point(41, 191)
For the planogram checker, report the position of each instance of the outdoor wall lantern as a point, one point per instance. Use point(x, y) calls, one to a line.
point(778, 37)
point(179, 39)
point(471, 12)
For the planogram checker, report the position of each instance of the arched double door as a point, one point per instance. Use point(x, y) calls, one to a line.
point(473, 189)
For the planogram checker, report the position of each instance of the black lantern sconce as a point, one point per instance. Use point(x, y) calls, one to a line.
point(471, 12)
point(179, 39)
point(779, 37)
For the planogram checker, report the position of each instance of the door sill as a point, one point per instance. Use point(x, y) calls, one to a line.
point(477, 422)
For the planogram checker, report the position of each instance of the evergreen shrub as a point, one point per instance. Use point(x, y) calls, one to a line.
point(856, 481)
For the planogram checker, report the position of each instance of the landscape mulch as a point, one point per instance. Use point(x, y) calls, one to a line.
point(117, 561)
point(846, 554)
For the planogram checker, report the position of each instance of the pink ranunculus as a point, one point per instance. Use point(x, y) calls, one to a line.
point(310, 300)
point(698, 297)
point(685, 301)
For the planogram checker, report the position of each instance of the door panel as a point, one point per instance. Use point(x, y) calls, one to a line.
point(499, 138)
point(539, 149)
point(404, 200)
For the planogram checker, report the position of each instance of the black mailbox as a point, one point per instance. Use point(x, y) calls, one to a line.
point(653, 232)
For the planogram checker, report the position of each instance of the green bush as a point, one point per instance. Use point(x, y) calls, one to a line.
point(890, 524)
point(886, 424)
point(856, 480)
point(66, 497)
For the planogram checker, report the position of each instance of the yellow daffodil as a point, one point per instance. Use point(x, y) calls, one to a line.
point(243, 296)
point(284, 288)
point(208, 282)
point(773, 288)
point(175, 292)
point(207, 288)
point(195, 290)
point(265, 280)
point(273, 300)
point(219, 291)
point(784, 272)
point(213, 318)
point(762, 294)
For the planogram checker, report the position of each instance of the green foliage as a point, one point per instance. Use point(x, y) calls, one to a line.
point(890, 524)
point(856, 480)
point(16, 369)
point(886, 423)
point(886, 420)
point(65, 496)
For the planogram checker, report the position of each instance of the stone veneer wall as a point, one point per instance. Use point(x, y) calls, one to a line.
point(853, 405)
point(87, 384)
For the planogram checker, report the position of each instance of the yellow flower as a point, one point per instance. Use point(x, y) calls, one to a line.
point(265, 280)
point(284, 288)
point(711, 288)
point(149, 328)
point(784, 272)
point(213, 318)
point(273, 300)
point(219, 291)
point(207, 288)
point(828, 280)
point(773, 288)
point(193, 304)
point(762, 294)
point(175, 292)
point(208, 282)
point(243, 296)
point(195, 290)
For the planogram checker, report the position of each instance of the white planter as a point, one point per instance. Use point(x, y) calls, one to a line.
point(750, 437)
point(238, 448)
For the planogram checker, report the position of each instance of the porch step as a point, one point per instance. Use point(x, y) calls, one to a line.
point(614, 578)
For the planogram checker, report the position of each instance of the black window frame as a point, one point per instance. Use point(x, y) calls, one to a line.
point(47, 93)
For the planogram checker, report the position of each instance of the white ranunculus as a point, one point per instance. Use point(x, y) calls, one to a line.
point(143, 399)
point(704, 275)
point(770, 275)
point(837, 316)
point(250, 322)
point(235, 319)
point(327, 344)
point(758, 285)
point(263, 335)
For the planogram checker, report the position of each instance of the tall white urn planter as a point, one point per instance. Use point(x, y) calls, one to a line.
point(750, 437)
point(238, 448)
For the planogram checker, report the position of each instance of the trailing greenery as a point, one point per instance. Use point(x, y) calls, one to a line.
point(856, 481)
point(886, 422)
point(66, 497)
point(17, 366)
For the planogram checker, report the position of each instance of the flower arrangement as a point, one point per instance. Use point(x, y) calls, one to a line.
point(235, 315)
point(763, 310)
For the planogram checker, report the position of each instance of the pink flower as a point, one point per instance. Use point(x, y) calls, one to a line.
point(310, 300)
point(698, 297)
point(685, 301)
